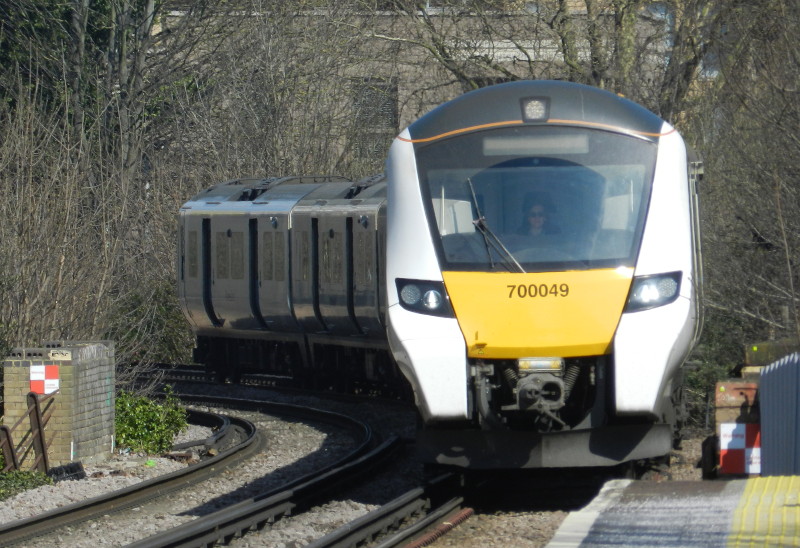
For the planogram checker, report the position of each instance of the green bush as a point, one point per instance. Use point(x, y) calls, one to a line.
point(148, 426)
point(12, 483)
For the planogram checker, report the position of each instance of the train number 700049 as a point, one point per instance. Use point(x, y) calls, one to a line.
point(523, 291)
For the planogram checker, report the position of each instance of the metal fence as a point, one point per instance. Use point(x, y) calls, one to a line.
point(779, 398)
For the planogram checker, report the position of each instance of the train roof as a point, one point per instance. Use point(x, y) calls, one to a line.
point(554, 103)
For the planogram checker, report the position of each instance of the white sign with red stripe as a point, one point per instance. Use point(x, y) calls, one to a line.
point(44, 379)
point(739, 448)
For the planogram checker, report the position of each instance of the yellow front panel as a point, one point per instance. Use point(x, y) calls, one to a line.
point(564, 314)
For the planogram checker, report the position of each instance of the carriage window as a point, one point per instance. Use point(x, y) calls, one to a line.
point(229, 255)
point(191, 255)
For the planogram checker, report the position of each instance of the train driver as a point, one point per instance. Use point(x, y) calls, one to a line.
point(538, 210)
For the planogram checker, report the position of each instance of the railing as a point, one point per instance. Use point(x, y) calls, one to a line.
point(33, 445)
point(780, 417)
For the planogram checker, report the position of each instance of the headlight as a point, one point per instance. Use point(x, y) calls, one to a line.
point(540, 365)
point(424, 297)
point(535, 109)
point(653, 291)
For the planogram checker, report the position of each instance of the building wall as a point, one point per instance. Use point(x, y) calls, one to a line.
point(82, 423)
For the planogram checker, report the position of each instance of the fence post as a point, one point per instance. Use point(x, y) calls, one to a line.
point(9, 451)
point(37, 431)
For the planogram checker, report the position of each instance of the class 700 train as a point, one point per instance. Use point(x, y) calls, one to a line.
point(528, 266)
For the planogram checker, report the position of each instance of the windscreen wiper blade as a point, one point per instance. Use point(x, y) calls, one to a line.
point(493, 241)
point(490, 239)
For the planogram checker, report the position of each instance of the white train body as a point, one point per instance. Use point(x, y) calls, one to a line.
point(530, 263)
point(556, 348)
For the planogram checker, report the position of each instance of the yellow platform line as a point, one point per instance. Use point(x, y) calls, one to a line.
point(768, 513)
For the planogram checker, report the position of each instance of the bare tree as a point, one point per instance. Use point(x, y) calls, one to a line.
point(80, 92)
point(649, 51)
point(115, 113)
point(753, 200)
point(276, 100)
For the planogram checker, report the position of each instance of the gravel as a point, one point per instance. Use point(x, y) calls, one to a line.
point(534, 529)
point(117, 472)
point(293, 448)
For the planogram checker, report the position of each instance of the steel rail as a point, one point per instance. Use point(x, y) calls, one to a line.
point(254, 514)
point(292, 497)
point(420, 508)
point(220, 424)
point(134, 495)
point(47, 522)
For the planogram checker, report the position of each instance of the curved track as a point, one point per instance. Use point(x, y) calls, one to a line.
point(293, 497)
point(254, 514)
point(236, 440)
point(48, 522)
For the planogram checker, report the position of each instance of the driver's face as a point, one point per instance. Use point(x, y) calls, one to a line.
point(536, 217)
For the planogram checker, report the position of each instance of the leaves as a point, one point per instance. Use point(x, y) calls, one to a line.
point(148, 426)
point(12, 483)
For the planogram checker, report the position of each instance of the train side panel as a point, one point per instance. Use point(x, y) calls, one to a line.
point(319, 262)
point(430, 351)
point(214, 257)
point(369, 260)
point(650, 345)
point(271, 243)
point(281, 276)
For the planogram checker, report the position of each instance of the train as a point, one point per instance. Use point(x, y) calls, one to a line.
point(527, 268)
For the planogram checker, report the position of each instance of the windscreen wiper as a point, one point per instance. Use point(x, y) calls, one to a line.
point(490, 239)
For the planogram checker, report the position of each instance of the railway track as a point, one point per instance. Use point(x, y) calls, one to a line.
point(417, 516)
point(254, 514)
point(405, 519)
point(423, 512)
point(228, 453)
point(238, 440)
point(163, 373)
point(428, 510)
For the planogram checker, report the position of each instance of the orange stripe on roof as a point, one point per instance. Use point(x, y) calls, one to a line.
point(519, 122)
point(462, 130)
point(607, 126)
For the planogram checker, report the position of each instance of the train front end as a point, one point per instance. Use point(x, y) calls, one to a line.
point(542, 276)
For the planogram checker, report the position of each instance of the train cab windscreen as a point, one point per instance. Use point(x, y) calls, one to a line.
point(534, 198)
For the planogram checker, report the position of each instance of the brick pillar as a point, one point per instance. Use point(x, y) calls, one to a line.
point(82, 424)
